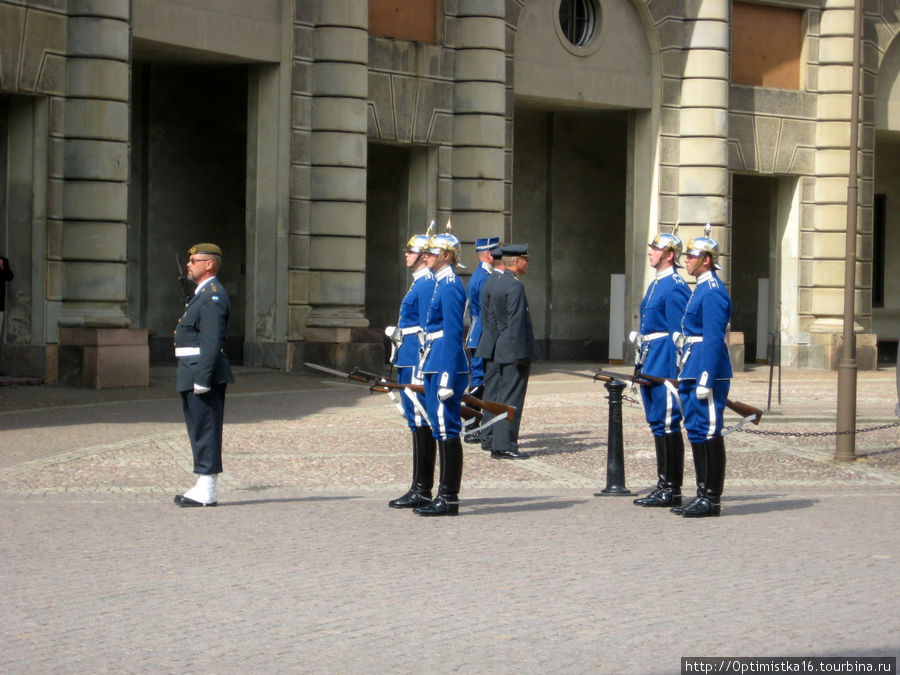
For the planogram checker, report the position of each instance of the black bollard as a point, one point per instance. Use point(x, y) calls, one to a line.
point(615, 459)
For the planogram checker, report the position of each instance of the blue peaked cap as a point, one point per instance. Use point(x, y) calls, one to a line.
point(486, 243)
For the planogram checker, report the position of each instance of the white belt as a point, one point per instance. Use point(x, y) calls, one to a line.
point(181, 352)
point(412, 330)
point(435, 335)
point(692, 339)
point(652, 336)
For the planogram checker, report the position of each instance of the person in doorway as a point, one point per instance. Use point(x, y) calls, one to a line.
point(705, 374)
point(405, 357)
point(513, 350)
point(203, 371)
point(445, 369)
point(661, 312)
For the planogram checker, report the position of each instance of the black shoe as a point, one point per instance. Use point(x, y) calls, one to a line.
point(472, 438)
point(661, 496)
point(702, 507)
point(443, 505)
point(181, 500)
point(411, 500)
point(509, 454)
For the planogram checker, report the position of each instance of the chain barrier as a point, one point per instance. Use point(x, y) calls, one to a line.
point(811, 434)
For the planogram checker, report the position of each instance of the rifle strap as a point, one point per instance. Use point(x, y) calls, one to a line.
point(748, 418)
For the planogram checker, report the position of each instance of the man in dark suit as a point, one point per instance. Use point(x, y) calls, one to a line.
point(514, 349)
point(203, 371)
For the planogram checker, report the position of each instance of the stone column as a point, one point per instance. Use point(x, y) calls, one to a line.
point(479, 121)
point(337, 173)
point(87, 228)
point(703, 179)
point(823, 234)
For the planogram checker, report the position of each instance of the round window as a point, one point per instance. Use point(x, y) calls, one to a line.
point(578, 20)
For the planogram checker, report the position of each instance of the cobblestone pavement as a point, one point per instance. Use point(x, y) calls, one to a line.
point(303, 568)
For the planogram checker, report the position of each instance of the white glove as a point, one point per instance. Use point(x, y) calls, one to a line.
point(200, 389)
point(444, 393)
point(703, 393)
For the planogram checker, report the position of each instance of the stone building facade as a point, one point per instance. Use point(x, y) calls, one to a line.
point(310, 138)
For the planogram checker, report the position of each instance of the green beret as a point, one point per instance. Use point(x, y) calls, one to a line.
point(210, 249)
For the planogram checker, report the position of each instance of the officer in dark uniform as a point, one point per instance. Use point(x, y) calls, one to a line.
point(203, 371)
point(513, 350)
point(655, 355)
point(405, 357)
point(705, 374)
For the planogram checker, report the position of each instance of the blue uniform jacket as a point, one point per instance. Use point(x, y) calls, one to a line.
point(413, 311)
point(473, 290)
point(204, 324)
point(707, 314)
point(661, 311)
point(446, 354)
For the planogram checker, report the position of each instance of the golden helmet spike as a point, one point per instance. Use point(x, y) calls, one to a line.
point(430, 231)
point(449, 228)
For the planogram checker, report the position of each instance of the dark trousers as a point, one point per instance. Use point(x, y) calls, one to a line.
point(512, 381)
point(204, 415)
point(489, 394)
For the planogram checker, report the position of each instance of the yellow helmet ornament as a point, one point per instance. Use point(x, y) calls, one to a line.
point(668, 241)
point(419, 242)
point(447, 242)
point(699, 246)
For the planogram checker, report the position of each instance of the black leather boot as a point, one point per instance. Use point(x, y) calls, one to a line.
point(419, 493)
point(661, 495)
point(675, 465)
point(699, 452)
point(447, 501)
point(710, 503)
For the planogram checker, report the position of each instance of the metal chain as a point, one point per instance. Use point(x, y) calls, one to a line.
point(810, 434)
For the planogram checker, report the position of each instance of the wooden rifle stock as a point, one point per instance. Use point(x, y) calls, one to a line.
point(489, 406)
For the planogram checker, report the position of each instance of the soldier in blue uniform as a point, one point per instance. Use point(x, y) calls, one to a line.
point(203, 371)
point(481, 273)
point(488, 341)
point(445, 369)
point(513, 349)
point(661, 311)
point(705, 374)
point(405, 357)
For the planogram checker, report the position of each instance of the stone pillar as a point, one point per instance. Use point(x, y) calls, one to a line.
point(479, 121)
point(703, 178)
point(337, 171)
point(823, 235)
point(87, 226)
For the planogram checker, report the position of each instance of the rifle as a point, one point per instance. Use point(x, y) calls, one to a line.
point(466, 412)
point(745, 410)
point(359, 375)
point(183, 284)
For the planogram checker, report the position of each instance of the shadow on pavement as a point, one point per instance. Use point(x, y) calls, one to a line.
point(491, 506)
point(560, 444)
point(287, 500)
point(766, 507)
